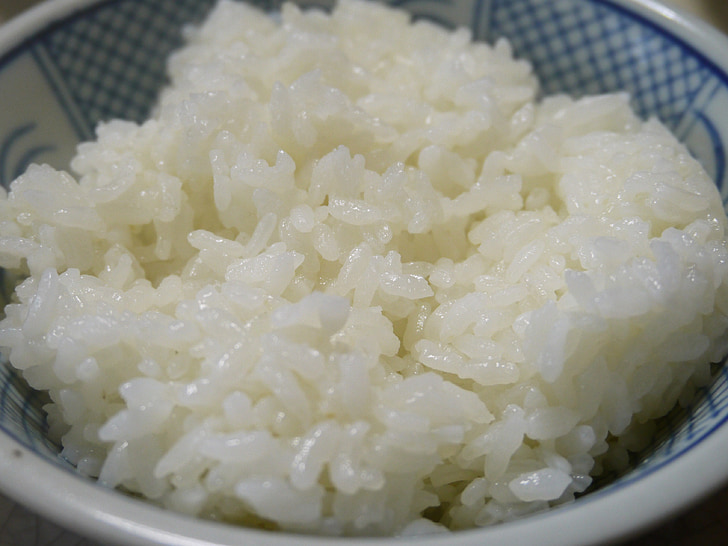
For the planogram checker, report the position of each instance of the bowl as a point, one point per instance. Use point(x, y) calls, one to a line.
point(68, 64)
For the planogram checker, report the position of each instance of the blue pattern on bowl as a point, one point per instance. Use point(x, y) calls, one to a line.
point(596, 47)
point(107, 61)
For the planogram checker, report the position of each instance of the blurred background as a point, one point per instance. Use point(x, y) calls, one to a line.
point(715, 11)
point(706, 524)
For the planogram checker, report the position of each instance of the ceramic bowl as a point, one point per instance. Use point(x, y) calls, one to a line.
point(68, 64)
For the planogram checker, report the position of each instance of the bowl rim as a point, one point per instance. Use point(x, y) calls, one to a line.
point(82, 506)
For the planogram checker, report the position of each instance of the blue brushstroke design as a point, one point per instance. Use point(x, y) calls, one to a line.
point(419, 13)
point(83, 129)
point(10, 173)
point(14, 136)
point(480, 24)
point(718, 152)
point(29, 157)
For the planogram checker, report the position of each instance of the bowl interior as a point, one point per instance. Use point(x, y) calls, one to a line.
point(107, 61)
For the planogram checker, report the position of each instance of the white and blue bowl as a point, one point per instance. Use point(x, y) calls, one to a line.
point(68, 64)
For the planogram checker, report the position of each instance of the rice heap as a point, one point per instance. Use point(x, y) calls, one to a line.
point(352, 278)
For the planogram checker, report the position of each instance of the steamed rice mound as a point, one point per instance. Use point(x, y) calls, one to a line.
point(352, 278)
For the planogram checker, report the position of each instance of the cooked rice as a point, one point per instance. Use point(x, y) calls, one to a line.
point(352, 278)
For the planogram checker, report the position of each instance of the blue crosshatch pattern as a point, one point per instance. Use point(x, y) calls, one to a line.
point(108, 61)
point(112, 59)
point(592, 47)
point(554, 39)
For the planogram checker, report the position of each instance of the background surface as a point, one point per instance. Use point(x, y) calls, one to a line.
point(706, 524)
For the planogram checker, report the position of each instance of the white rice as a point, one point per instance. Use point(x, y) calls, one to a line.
point(352, 275)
